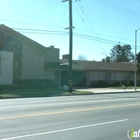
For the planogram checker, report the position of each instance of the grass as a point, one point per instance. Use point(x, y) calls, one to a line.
point(29, 90)
point(28, 93)
point(76, 93)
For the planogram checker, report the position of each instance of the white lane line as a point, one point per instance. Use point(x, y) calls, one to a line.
point(66, 103)
point(62, 130)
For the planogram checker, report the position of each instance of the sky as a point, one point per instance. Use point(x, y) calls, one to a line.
point(98, 24)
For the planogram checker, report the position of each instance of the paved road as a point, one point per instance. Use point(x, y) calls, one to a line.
point(92, 117)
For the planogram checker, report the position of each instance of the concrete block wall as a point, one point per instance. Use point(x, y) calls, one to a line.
point(6, 68)
point(33, 63)
point(52, 55)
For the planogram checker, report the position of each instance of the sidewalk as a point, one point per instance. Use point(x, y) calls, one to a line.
point(76, 92)
point(106, 90)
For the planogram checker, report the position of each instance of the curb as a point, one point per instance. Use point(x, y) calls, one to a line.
point(57, 95)
point(116, 92)
point(94, 93)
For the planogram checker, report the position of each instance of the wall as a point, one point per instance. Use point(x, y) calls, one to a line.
point(112, 75)
point(6, 68)
point(33, 63)
point(124, 76)
point(52, 55)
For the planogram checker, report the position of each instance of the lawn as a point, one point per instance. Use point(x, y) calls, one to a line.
point(46, 92)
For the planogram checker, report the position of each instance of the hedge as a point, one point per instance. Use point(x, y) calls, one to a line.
point(29, 84)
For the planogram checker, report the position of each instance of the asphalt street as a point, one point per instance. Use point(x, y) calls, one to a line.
point(88, 117)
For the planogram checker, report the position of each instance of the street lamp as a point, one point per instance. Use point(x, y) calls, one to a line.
point(135, 67)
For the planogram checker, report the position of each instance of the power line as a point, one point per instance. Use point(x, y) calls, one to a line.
point(36, 30)
point(104, 41)
point(116, 7)
point(112, 4)
point(90, 23)
point(99, 39)
point(44, 33)
point(57, 32)
point(50, 32)
point(136, 1)
point(106, 35)
point(38, 24)
point(81, 17)
point(86, 17)
point(81, 36)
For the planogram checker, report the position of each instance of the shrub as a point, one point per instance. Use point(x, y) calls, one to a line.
point(103, 84)
point(29, 84)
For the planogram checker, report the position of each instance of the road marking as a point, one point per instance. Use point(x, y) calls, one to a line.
point(69, 111)
point(62, 130)
point(65, 103)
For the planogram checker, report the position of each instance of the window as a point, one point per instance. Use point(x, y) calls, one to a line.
point(0, 64)
point(1, 41)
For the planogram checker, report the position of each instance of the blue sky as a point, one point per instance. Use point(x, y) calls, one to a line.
point(95, 21)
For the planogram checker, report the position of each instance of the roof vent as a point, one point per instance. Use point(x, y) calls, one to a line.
point(65, 56)
point(51, 46)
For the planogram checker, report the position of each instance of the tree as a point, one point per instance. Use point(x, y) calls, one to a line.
point(121, 53)
point(81, 57)
point(107, 59)
point(103, 60)
point(138, 61)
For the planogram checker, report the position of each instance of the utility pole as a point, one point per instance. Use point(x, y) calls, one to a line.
point(135, 65)
point(70, 43)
